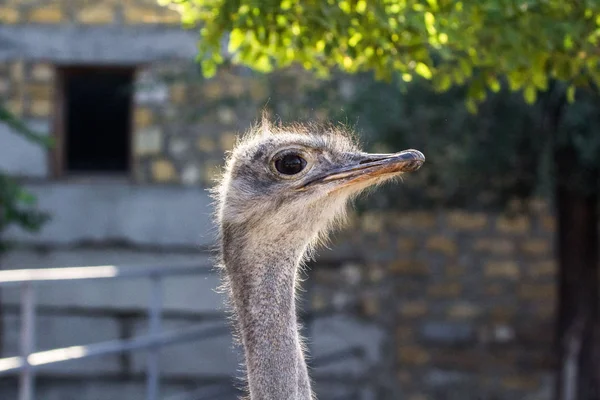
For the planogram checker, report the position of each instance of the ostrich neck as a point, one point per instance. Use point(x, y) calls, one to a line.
point(263, 281)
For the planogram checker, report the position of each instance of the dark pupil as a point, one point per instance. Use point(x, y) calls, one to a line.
point(290, 164)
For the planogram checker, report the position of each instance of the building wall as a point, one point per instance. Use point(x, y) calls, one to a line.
point(181, 123)
point(468, 299)
point(42, 36)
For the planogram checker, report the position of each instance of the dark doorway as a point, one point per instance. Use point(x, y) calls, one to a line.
point(96, 117)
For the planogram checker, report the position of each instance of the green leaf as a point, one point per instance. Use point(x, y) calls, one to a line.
point(423, 70)
point(354, 39)
point(21, 129)
point(443, 82)
point(236, 38)
point(345, 6)
point(476, 89)
point(433, 4)
point(17, 206)
point(209, 68)
point(530, 94)
point(471, 106)
point(516, 80)
point(285, 4)
point(465, 67)
point(571, 94)
point(568, 42)
point(430, 23)
point(540, 80)
point(361, 6)
point(263, 63)
point(493, 83)
point(25, 197)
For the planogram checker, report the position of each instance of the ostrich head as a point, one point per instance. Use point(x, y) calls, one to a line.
point(282, 188)
point(286, 182)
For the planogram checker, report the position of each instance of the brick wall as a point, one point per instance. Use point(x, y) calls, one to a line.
point(181, 138)
point(27, 88)
point(467, 298)
point(86, 12)
point(181, 123)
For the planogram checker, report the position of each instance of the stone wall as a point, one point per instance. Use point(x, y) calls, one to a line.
point(181, 124)
point(468, 300)
point(181, 139)
point(448, 304)
point(86, 12)
point(40, 37)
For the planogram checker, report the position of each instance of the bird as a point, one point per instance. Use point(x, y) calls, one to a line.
point(282, 189)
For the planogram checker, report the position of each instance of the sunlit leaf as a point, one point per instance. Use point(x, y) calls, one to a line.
point(236, 38)
point(361, 6)
point(209, 68)
point(263, 63)
point(530, 94)
point(285, 4)
point(347, 62)
point(345, 6)
point(430, 23)
point(423, 70)
point(494, 84)
point(354, 39)
point(320, 46)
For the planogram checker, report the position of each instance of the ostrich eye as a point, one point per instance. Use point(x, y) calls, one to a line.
point(290, 164)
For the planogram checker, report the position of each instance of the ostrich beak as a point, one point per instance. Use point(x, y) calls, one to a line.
point(367, 167)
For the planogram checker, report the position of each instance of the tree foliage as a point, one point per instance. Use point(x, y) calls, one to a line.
point(530, 46)
point(17, 205)
point(530, 42)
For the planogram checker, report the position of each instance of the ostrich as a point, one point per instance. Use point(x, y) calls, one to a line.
point(282, 190)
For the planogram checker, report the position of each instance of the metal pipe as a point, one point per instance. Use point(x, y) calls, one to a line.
point(48, 357)
point(27, 341)
point(17, 276)
point(154, 321)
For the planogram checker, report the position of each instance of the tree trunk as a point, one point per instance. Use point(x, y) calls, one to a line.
point(578, 279)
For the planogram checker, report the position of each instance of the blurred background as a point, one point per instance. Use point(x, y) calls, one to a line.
point(447, 286)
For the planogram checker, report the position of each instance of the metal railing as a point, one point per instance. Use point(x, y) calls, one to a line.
point(29, 360)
